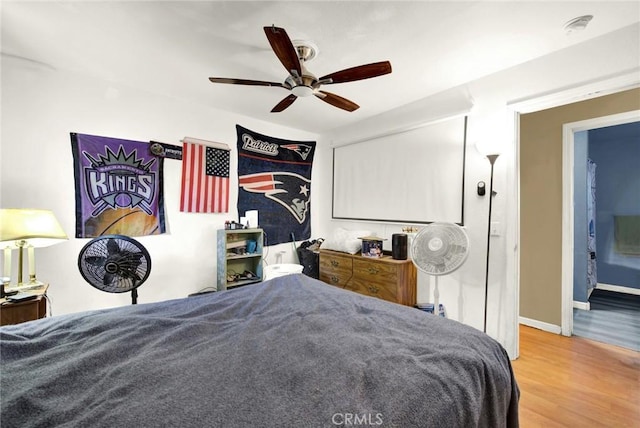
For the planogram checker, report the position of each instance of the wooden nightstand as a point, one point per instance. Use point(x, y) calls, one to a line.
point(29, 310)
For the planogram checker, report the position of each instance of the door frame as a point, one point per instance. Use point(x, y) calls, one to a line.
point(568, 150)
point(606, 86)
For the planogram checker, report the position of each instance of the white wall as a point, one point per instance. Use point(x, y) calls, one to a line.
point(40, 107)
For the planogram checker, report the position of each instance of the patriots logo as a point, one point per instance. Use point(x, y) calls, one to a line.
point(288, 189)
point(302, 149)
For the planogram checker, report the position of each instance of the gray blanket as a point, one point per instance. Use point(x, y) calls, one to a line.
point(290, 352)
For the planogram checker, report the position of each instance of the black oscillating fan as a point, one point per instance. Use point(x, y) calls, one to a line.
point(115, 264)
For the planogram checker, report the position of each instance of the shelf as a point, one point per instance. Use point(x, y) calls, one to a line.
point(242, 282)
point(236, 244)
point(242, 256)
point(230, 263)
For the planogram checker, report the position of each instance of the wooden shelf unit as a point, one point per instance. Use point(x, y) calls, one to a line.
point(234, 259)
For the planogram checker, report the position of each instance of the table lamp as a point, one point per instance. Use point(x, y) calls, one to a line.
point(27, 228)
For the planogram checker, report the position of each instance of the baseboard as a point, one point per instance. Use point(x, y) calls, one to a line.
point(618, 289)
point(540, 325)
point(585, 306)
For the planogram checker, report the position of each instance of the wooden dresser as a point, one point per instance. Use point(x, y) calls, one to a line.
point(386, 278)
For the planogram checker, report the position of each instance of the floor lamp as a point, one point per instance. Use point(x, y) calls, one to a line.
point(492, 153)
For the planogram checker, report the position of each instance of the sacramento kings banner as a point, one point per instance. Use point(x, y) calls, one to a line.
point(118, 187)
point(274, 177)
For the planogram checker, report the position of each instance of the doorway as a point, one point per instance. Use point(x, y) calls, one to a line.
point(549, 303)
point(570, 130)
point(571, 142)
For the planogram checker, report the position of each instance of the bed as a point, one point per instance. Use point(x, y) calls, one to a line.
point(289, 352)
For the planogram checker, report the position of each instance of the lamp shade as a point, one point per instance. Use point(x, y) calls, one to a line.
point(488, 147)
point(39, 228)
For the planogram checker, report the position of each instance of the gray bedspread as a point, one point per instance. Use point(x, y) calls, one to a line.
point(290, 352)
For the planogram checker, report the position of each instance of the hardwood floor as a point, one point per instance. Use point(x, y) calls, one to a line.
point(613, 318)
point(576, 382)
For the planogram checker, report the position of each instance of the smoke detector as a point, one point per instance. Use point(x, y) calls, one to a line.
point(577, 24)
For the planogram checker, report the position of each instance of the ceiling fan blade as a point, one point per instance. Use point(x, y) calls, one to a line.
point(358, 73)
point(245, 82)
point(284, 50)
point(337, 101)
point(286, 102)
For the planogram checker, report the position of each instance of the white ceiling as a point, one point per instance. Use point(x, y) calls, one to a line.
point(172, 48)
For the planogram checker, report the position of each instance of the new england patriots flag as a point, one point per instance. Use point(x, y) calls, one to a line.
point(274, 177)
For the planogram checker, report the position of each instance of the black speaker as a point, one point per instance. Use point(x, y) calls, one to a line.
point(399, 246)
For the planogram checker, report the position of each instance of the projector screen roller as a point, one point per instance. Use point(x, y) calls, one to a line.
point(413, 176)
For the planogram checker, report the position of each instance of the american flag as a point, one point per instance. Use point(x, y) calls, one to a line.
point(205, 179)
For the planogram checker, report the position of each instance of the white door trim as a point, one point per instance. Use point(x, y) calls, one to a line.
point(568, 145)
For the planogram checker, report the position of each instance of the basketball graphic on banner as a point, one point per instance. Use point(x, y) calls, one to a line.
point(130, 221)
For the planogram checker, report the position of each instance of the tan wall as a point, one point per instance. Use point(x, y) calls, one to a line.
point(541, 199)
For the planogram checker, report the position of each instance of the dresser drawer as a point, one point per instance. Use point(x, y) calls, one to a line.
point(376, 279)
point(379, 273)
point(386, 291)
point(335, 269)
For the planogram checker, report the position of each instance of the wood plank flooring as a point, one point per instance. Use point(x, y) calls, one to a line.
point(614, 318)
point(576, 382)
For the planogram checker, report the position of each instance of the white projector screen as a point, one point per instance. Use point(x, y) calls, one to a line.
point(415, 176)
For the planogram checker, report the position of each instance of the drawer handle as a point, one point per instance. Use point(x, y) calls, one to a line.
point(334, 279)
point(373, 289)
point(335, 263)
point(372, 270)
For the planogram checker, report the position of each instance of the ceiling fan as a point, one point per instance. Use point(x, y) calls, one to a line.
point(301, 82)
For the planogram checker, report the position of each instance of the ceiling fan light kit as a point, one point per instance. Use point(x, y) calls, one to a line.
point(302, 91)
point(302, 83)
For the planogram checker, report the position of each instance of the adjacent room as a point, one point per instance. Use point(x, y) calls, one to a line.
point(321, 212)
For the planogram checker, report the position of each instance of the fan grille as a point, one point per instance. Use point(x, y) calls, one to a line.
point(440, 248)
point(114, 263)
